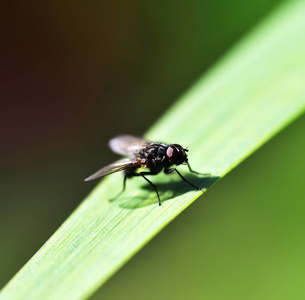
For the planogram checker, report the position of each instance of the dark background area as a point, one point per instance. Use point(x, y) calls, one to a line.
point(75, 74)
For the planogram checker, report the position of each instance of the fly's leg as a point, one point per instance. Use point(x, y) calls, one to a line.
point(169, 171)
point(124, 187)
point(143, 175)
point(149, 173)
point(124, 184)
point(195, 172)
point(130, 175)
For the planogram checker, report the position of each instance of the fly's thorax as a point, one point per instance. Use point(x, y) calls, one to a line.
point(150, 152)
point(154, 151)
point(155, 156)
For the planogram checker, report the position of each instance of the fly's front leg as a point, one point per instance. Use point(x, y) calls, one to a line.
point(169, 171)
point(195, 172)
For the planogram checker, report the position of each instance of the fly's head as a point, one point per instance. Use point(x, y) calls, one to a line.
point(176, 154)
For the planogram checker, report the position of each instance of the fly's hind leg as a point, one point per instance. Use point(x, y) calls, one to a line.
point(124, 186)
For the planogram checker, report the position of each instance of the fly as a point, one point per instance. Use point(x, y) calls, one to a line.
point(143, 154)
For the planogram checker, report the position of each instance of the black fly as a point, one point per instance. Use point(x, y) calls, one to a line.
point(140, 154)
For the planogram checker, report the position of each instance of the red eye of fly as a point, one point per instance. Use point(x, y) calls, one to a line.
point(175, 154)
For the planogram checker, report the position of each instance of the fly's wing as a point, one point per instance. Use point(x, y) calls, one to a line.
point(118, 165)
point(127, 144)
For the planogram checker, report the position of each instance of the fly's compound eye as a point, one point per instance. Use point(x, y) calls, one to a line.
point(175, 154)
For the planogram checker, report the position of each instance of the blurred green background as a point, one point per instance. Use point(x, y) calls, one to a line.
point(75, 74)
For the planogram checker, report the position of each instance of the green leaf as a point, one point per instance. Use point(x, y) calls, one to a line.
point(255, 91)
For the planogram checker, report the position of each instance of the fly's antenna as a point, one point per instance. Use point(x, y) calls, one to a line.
point(187, 148)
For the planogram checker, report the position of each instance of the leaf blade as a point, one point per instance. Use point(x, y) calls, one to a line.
point(99, 237)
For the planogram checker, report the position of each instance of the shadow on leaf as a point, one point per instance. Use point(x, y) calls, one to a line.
point(167, 191)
